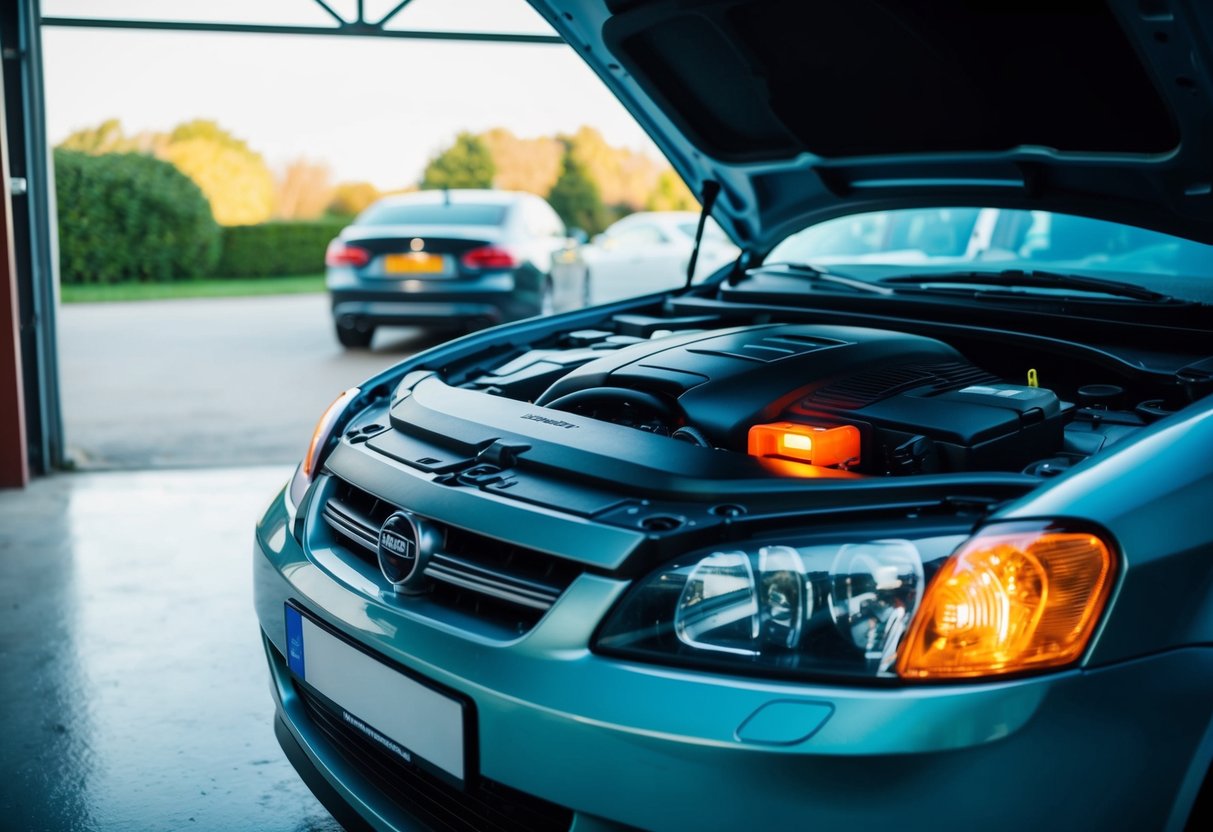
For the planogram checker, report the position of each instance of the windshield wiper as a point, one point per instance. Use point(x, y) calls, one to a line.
point(1012, 278)
point(806, 272)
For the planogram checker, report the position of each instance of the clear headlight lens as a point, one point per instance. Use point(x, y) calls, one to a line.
point(875, 587)
point(1013, 597)
point(787, 597)
point(796, 605)
point(718, 609)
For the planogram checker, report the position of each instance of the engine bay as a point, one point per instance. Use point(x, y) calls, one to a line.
point(864, 400)
point(810, 399)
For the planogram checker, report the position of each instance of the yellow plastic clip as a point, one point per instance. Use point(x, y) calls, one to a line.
point(1033, 380)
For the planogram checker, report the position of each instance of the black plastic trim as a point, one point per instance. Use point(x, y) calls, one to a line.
point(328, 796)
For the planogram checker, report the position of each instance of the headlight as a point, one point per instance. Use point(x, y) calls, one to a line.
point(874, 589)
point(327, 427)
point(1013, 597)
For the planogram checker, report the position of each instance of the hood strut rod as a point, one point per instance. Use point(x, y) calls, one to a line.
point(711, 189)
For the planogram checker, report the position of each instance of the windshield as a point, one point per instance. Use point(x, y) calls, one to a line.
point(990, 239)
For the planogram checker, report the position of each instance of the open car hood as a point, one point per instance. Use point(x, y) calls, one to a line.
point(807, 109)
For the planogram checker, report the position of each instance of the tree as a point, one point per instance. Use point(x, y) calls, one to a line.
point(576, 199)
point(671, 194)
point(530, 165)
point(109, 137)
point(465, 164)
point(302, 191)
point(233, 176)
point(625, 178)
point(106, 137)
point(352, 198)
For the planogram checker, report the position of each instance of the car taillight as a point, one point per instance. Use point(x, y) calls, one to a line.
point(489, 257)
point(340, 254)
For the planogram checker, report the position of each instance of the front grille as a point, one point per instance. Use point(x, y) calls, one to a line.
point(504, 584)
point(487, 806)
point(868, 388)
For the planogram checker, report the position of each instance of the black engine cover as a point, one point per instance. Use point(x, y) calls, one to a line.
point(919, 404)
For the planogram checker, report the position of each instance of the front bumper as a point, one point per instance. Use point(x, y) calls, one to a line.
point(627, 744)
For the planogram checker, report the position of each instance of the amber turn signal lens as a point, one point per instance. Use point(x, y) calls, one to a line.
point(805, 443)
point(1010, 599)
point(324, 428)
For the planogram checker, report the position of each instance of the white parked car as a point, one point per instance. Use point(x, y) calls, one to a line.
point(648, 252)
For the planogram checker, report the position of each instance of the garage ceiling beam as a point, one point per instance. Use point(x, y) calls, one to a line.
point(357, 28)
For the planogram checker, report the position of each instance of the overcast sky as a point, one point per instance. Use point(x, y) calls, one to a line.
point(373, 109)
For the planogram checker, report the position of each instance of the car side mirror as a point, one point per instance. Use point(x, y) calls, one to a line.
point(578, 236)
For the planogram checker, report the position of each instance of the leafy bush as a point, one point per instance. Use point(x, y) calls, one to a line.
point(276, 248)
point(128, 216)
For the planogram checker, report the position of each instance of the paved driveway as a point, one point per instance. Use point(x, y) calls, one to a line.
point(184, 383)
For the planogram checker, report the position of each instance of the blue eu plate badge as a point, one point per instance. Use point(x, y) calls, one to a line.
point(294, 642)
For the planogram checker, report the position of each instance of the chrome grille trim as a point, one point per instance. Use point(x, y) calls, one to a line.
point(353, 525)
point(446, 567)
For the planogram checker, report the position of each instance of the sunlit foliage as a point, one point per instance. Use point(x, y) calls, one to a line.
point(465, 164)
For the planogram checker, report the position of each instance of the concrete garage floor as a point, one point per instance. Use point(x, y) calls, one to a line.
point(133, 688)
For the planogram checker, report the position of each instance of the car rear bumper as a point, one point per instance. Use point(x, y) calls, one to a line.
point(487, 299)
point(621, 744)
point(362, 313)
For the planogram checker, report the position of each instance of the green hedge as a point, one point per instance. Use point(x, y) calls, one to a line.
point(130, 217)
point(276, 248)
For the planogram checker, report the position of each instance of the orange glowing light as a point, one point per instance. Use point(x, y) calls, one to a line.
point(1010, 601)
point(806, 443)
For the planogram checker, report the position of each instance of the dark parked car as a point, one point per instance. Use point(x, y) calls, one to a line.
point(901, 521)
point(456, 259)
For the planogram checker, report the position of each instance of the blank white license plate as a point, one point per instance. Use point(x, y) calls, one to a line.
point(408, 718)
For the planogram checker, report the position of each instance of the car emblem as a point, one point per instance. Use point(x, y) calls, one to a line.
point(405, 545)
point(416, 244)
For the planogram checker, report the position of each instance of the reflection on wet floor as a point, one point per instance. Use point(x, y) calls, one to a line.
point(133, 686)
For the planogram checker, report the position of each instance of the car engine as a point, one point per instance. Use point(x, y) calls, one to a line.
point(844, 400)
point(909, 404)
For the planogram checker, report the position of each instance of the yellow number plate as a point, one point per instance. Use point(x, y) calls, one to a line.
point(417, 262)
